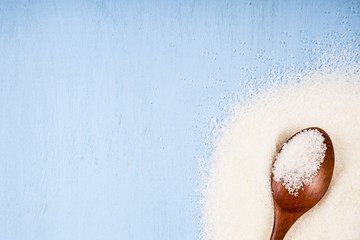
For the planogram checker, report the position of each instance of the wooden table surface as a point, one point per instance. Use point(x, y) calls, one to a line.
point(104, 104)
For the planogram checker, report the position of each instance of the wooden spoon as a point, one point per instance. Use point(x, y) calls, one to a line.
point(288, 208)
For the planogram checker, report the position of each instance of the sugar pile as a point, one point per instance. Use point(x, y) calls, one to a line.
point(299, 160)
point(237, 201)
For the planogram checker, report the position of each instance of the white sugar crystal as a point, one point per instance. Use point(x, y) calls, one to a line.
point(237, 201)
point(299, 160)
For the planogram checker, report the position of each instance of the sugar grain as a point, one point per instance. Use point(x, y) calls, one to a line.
point(299, 160)
point(237, 202)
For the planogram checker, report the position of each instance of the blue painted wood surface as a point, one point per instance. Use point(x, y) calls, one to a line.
point(103, 104)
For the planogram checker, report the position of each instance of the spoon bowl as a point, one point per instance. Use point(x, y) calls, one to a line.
point(288, 208)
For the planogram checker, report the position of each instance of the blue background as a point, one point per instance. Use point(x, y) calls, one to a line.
point(104, 104)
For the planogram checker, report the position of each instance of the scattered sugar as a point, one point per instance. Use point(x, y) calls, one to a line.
point(237, 201)
point(299, 160)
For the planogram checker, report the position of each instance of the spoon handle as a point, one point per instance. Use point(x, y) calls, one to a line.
point(283, 220)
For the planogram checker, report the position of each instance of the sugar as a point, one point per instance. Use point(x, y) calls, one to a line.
point(237, 201)
point(299, 160)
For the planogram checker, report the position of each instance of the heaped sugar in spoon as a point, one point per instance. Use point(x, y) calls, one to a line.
point(301, 174)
